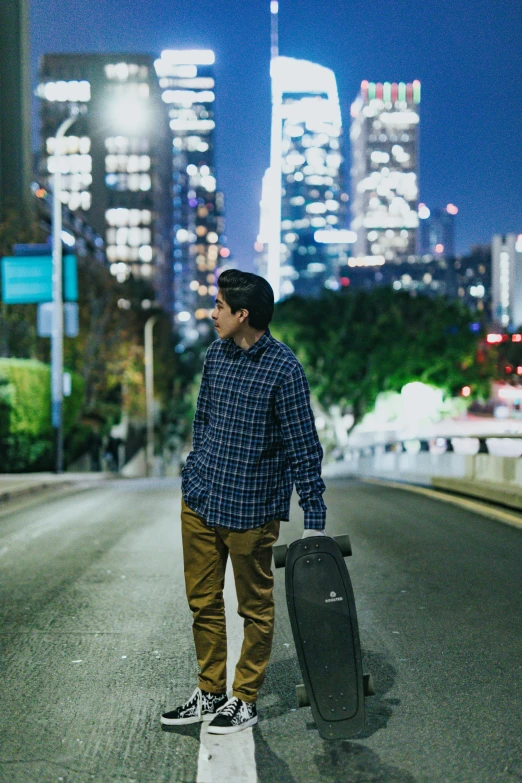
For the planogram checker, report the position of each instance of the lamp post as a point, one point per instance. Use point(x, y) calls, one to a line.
point(149, 390)
point(57, 319)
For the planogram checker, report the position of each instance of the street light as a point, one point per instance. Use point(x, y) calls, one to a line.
point(57, 319)
point(149, 390)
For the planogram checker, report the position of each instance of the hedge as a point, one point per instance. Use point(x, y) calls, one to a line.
point(26, 434)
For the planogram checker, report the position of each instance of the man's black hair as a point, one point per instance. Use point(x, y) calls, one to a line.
point(244, 290)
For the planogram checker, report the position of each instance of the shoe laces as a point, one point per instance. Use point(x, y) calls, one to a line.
point(231, 707)
point(193, 699)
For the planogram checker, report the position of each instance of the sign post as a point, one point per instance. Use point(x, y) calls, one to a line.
point(57, 330)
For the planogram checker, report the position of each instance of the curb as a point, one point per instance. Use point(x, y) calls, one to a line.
point(34, 488)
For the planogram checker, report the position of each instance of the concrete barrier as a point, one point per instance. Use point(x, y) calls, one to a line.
point(482, 476)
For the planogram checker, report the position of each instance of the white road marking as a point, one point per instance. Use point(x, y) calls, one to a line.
point(227, 758)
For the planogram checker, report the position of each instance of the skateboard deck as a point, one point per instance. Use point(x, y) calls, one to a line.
point(323, 617)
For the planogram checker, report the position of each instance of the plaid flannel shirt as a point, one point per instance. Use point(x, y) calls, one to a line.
point(254, 437)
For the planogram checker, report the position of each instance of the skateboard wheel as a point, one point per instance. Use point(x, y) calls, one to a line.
point(280, 555)
point(368, 686)
point(302, 696)
point(343, 542)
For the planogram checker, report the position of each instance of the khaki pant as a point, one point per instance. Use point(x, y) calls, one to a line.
point(205, 553)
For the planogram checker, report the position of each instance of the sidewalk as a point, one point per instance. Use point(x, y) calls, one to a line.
point(16, 485)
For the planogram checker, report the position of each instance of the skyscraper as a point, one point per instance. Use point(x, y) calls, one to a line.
point(15, 108)
point(186, 79)
point(384, 136)
point(114, 160)
point(303, 196)
point(506, 280)
point(437, 230)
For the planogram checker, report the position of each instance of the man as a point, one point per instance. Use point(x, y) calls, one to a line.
point(254, 437)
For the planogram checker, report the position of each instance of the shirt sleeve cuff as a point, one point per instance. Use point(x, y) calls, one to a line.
point(315, 515)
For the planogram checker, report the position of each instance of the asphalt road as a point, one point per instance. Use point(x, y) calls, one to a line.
point(95, 642)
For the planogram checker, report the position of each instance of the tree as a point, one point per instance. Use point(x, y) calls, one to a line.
point(18, 322)
point(356, 344)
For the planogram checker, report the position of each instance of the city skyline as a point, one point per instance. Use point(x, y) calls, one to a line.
point(469, 154)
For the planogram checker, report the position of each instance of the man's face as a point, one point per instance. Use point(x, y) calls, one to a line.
point(226, 323)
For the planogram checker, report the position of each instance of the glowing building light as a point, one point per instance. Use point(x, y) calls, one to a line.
point(516, 338)
point(184, 317)
point(367, 261)
point(424, 212)
point(466, 391)
point(518, 244)
point(73, 91)
point(189, 56)
point(130, 114)
point(451, 209)
point(335, 236)
point(274, 7)
point(439, 248)
point(192, 125)
point(494, 338)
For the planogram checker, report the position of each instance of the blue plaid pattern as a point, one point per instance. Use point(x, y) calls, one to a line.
point(254, 437)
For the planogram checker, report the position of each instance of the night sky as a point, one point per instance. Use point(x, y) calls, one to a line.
point(466, 53)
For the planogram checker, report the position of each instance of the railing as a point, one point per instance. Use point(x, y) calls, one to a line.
point(464, 445)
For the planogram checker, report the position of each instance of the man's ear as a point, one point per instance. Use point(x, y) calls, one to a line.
point(244, 315)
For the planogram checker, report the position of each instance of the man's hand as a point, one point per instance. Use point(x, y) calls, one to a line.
point(310, 533)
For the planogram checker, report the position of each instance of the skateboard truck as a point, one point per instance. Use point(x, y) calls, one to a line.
point(324, 624)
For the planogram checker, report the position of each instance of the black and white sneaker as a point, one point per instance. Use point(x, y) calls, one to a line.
point(236, 715)
point(201, 706)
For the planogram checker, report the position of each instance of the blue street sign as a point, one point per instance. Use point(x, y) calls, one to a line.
point(28, 279)
point(70, 279)
point(32, 250)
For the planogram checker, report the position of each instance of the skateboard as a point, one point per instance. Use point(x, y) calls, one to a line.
point(322, 613)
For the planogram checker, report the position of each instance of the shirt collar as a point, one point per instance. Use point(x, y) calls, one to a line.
point(254, 352)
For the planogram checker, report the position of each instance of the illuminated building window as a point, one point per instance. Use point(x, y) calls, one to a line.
point(145, 253)
point(122, 71)
point(63, 92)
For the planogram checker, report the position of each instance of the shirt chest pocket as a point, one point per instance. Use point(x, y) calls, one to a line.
point(254, 398)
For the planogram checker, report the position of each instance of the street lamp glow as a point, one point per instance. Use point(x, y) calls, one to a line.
point(129, 115)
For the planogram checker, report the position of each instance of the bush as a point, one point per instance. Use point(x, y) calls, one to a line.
point(26, 433)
